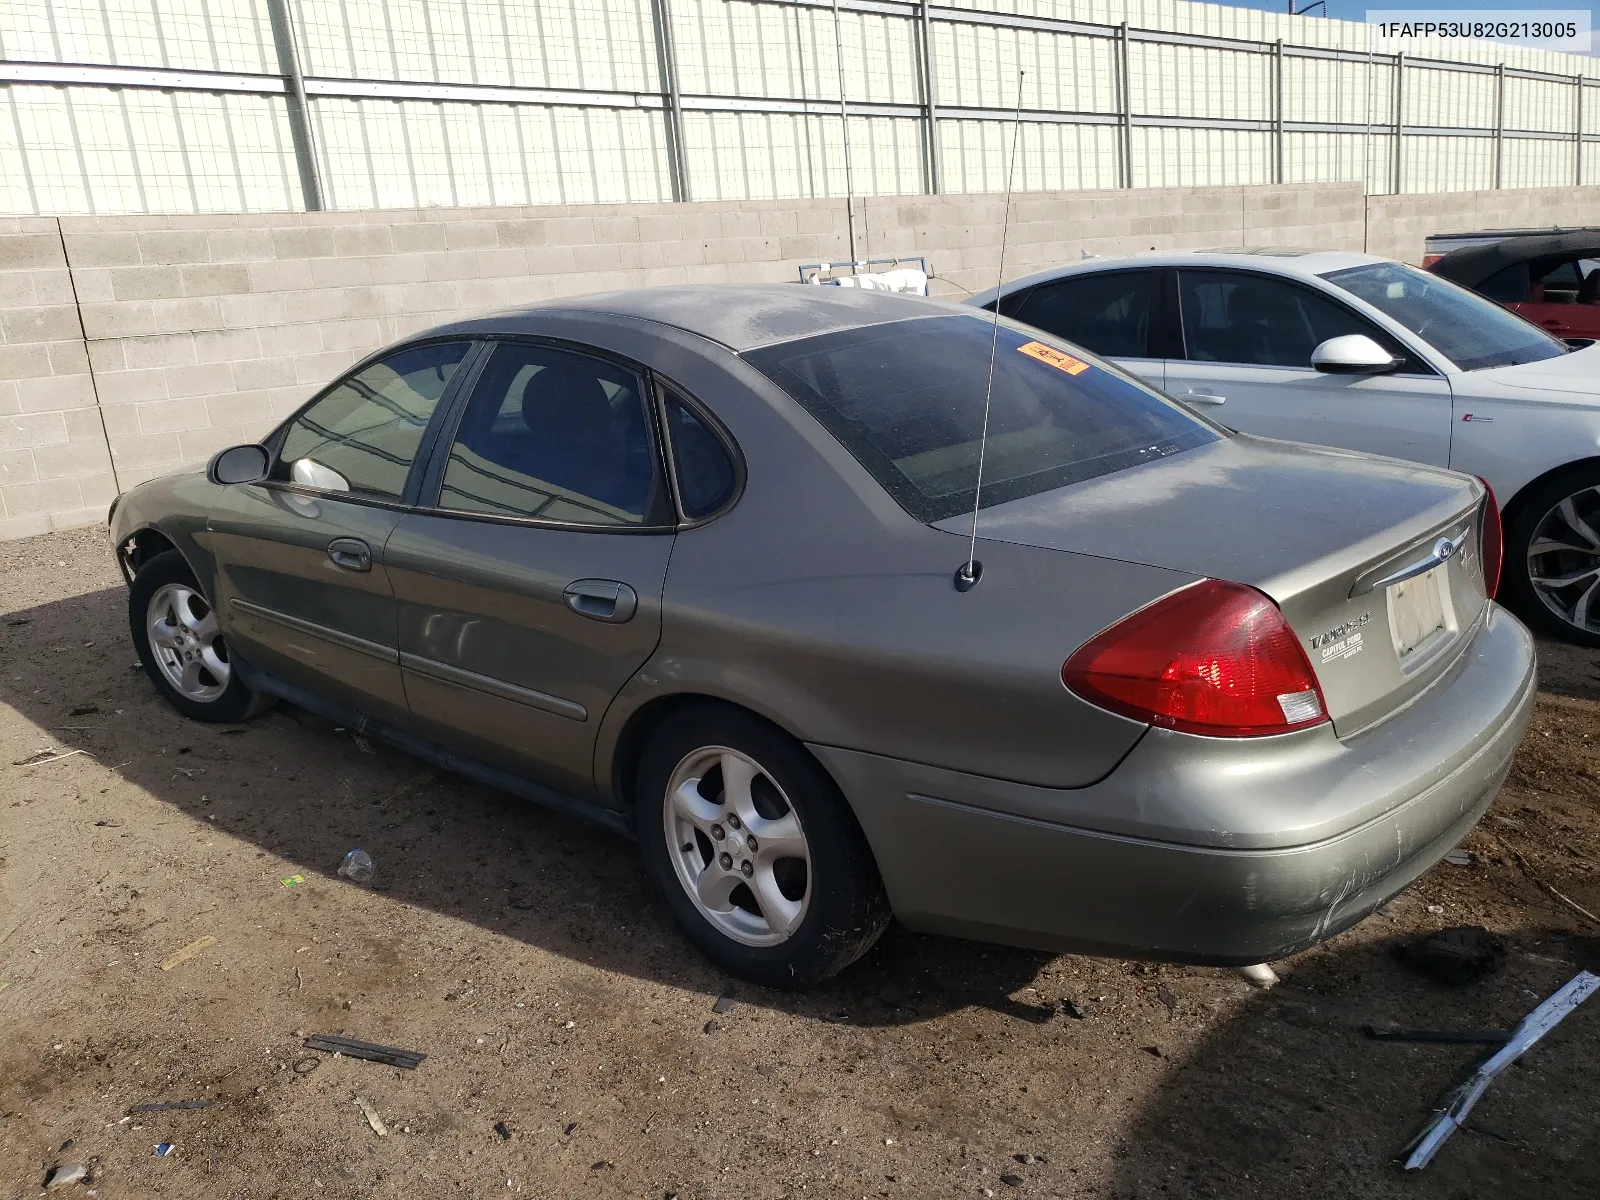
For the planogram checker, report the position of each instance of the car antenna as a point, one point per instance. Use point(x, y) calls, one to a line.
point(968, 574)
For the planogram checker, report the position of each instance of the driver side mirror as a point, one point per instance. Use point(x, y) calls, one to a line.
point(239, 464)
point(1353, 354)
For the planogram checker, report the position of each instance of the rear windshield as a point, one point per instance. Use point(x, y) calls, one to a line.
point(907, 399)
point(1470, 331)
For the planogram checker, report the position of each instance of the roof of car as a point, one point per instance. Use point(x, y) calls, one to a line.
point(739, 316)
point(1281, 261)
point(1472, 265)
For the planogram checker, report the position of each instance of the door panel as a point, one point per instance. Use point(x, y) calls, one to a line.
point(532, 593)
point(497, 658)
point(292, 610)
point(1248, 340)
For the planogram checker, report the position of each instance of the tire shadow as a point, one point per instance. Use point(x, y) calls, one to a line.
point(298, 787)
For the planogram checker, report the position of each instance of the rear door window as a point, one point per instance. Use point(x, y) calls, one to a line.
point(907, 400)
point(1107, 312)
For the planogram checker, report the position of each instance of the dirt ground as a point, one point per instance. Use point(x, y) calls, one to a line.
point(524, 954)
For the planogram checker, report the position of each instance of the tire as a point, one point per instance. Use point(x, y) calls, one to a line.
point(1539, 516)
point(183, 652)
point(802, 916)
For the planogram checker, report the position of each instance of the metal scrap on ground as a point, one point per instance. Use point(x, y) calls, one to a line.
point(389, 1055)
point(1458, 1103)
point(373, 1119)
point(1485, 1037)
point(188, 952)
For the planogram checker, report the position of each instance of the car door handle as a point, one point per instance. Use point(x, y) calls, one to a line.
point(350, 553)
point(1196, 397)
point(602, 600)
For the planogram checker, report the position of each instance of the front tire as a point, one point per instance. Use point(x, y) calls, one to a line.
point(754, 849)
point(181, 646)
point(1552, 557)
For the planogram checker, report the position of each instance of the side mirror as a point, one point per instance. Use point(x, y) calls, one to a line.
point(1353, 354)
point(239, 464)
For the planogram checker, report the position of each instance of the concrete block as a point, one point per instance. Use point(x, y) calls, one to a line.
point(215, 279)
point(71, 461)
point(54, 393)
point(158, 350)
point(13, 528)
point(132, 387)
point(30, 251)
point(172, 247)
point(17, 289)
point(103, 250)
point(148, 450)
point(42, 323)
point(121, 421)
point(17, 466)
point(239, 408)
point(99, 490)
point(225, 345)
point(398, 268)
point(304, 242)
point(26, 359)
point(340, 271)
point(288, 275)
point(201, 379)
point(42, 497)
point(189, 314)
point(145, 283)
point(411, 239)
point(172, 416)
point(28, 431)
point(352, 241)
point(68, 358)
point(470, 235)
point(239, 245)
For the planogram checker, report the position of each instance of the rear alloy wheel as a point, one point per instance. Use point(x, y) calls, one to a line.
point(1553, 557)
point(181, 645)
point(754, 849)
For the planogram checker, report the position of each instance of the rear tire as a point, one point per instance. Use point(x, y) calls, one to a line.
point(804, 900)
point(1562, 511)
point(181, 646)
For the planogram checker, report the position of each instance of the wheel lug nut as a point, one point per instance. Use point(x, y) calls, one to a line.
point(718, 832)
point(733, 820)
point(746, 869)
point(726, 860)
point(751, 843)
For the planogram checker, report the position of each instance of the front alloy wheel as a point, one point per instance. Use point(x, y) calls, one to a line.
point(1559, 539)
point(187, 643)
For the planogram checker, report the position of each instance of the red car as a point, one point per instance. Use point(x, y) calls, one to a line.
point(1552, 279)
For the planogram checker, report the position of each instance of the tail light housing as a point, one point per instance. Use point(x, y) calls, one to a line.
point(1491, 541)
point(1216, 658)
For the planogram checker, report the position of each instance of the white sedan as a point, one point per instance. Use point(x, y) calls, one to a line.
point(1369, 354)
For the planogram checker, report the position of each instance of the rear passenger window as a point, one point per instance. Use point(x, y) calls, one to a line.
point(706, 476)
point(556, 436)
point(1106, 313)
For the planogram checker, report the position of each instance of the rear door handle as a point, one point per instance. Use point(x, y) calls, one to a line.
point(350, 553)
point(602, 600)
point(1197, 397)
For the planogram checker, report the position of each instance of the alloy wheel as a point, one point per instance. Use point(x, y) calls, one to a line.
point(737, 846)
point(187, 643)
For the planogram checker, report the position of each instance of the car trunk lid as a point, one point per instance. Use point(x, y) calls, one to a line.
point(1374, 562)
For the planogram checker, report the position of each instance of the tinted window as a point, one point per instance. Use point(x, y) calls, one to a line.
point(907, 400)
point(1470, 331)
point(553, 435)
point(1234, 317)
point(363, 435)
point(1106, 313)
point(1509, 285)
point(706, 477)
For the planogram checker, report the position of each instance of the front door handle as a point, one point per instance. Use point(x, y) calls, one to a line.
point(350, 553)
point(602, 600)
point(1198, 397)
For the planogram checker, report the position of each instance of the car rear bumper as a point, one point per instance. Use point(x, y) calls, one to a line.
point(1226, 851)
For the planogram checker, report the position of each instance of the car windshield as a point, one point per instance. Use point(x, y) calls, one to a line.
point(1467, 329)
point(907, 400)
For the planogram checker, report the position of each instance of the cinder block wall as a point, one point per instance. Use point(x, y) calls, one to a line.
point(204, 331)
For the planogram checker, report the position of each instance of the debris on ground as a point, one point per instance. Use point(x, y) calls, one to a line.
point(47, 755)
point(63, 1175)
point(168, 1106)
point(504, 1130)
point(84, 710)
point(290, 881)
point(605, 1164)
point(711, 1027)
point(164, 1149)
point(358, 866)
point(1258, 975)
point(1011, 1180)
point(373, 1119)
point(724, 1001)
point(1459, 858)
point(1458, 1103)
point(1074, 1010)
point(188, 952)
point(1459, 955)
point(389, 1055)
point(1483, 1037)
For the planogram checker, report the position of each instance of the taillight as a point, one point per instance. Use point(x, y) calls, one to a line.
point(1216, 658)
point(1491, 546)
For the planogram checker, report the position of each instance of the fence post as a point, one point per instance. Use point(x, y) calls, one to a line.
point(667, 56)
point(1578, 172)
point(1277, 111)
point(930, 113)
point(1399, 120)
point(1124, 76)
point(1499, 125)
point(305, 150)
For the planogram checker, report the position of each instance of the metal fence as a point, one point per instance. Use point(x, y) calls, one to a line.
point(121, 106)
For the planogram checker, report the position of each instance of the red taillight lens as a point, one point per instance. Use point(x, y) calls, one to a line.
point(1491, 546)
point(1216, 658)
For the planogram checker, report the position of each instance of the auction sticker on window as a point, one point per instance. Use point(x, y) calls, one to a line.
point(1054, 358)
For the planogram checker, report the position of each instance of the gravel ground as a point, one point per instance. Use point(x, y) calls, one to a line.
point(572, 1048)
